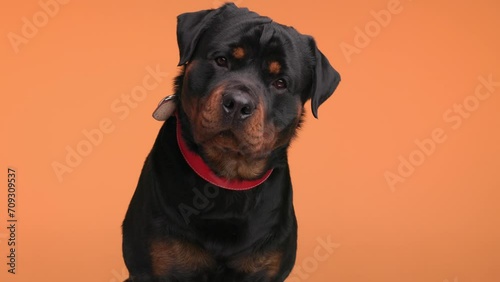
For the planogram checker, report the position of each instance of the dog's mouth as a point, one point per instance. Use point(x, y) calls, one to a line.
point(228, 143)
point(234, 164)
point(234, 153)
point(237, 144)
point(235, 141)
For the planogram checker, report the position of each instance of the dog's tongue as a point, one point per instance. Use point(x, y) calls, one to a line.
point(165, 108)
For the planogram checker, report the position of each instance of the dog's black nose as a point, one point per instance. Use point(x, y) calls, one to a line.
point(238, 105)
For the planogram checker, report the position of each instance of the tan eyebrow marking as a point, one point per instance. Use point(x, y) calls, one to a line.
point(274, 67)
point(239, 52)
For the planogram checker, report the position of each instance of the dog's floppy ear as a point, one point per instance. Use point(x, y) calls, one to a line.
point(325, 78)
point(190, 27)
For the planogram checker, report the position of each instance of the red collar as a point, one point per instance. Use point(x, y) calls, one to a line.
point(201, 168)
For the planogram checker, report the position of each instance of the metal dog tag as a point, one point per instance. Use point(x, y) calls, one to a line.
point(165, 108)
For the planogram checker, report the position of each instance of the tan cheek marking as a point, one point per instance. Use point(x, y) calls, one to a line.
point(254, 131)
point(239, 53)
point(210, 112)
point(274, 67)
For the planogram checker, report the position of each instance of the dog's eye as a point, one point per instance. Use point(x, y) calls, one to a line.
point(221, 61)
point(279, 84)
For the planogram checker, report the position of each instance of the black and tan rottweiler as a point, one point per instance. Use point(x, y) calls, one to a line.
point(214, 199)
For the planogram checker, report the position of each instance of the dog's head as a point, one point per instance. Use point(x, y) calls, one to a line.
point(244, 84)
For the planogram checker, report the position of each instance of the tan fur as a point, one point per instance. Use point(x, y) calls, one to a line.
point(173, 254)
point(225, 152)
point(240, 154)
point(274, 67)
point(269, 262)
point(239, 53)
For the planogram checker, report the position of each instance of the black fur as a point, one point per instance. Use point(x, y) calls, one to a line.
point(231, 224)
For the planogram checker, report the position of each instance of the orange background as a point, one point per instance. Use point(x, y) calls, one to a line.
point(441, 224)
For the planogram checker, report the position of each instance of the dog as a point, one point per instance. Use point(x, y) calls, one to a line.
point(214, 198)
